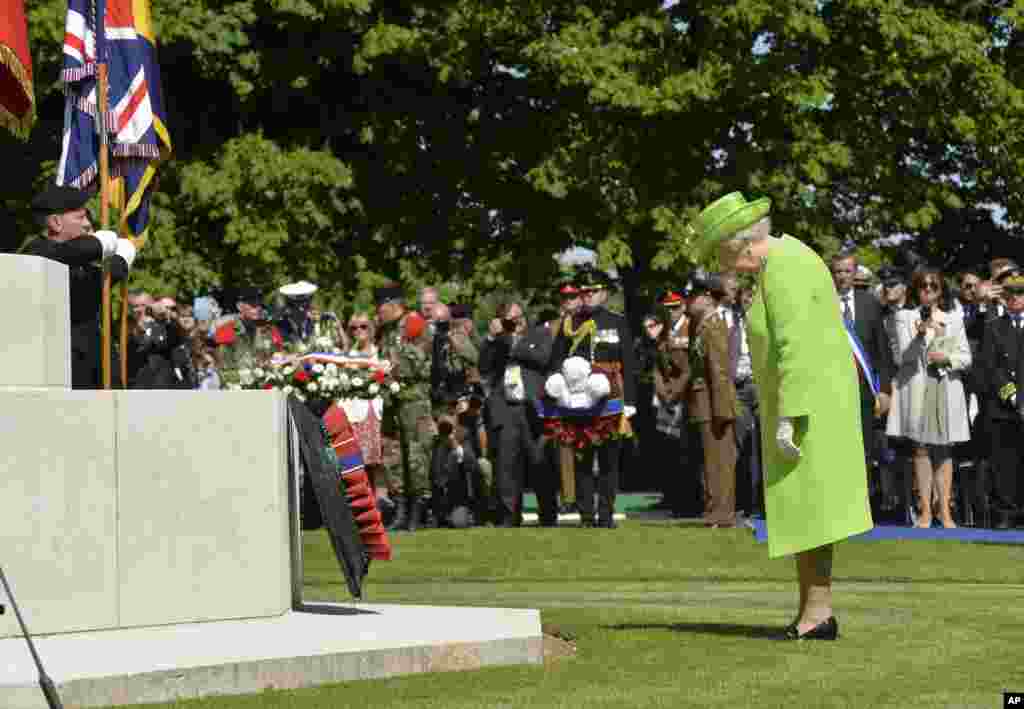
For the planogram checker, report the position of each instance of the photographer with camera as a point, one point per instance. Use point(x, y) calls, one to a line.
point(159, 353)
point(514, 360)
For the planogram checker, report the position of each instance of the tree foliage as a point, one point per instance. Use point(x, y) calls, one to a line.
point(466, 142)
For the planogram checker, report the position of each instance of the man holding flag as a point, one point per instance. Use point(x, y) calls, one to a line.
point(110, 70)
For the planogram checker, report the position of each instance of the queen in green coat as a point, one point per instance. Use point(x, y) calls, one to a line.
point(812, 448)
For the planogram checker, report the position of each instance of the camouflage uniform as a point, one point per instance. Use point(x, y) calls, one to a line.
point(245, 345)
point(410, 362)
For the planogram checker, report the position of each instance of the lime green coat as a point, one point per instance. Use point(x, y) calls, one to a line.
point(804, 367)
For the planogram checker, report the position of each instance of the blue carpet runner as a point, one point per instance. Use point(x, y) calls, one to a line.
point(960, 534)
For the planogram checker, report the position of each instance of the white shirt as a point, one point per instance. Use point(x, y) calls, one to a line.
point(845, 300)
point(743, 365)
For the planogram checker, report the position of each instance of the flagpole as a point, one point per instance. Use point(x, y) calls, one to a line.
point(102, 105)
point(101, 110)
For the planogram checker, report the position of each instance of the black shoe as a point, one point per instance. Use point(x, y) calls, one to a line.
point(417, 508)
point(400, 521)
point(829, 630)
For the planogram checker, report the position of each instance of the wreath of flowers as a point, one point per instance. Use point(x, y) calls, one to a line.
point(324, 376)
point(579, 433)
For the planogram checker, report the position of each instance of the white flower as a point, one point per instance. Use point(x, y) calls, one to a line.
point(288, 389)
point(394, 387)
point(331, 368)
point(345, 381)
point(289, 369)
point(318, 368)
point(324, 343)
point(312, 387)
point(357, 381)
point(259, 373)
point(374, 389)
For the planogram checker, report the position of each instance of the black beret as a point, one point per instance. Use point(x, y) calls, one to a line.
point(58, 199)
point(458, 311)
point(702, 283)
point(891, 274)
point(390, 293)
point(250, 294)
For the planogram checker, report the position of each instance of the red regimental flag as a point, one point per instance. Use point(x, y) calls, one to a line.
point(17, 99)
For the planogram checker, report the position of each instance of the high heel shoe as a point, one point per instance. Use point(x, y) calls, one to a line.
point(829, 630)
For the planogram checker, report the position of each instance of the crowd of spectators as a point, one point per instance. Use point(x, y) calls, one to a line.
point(942, 435)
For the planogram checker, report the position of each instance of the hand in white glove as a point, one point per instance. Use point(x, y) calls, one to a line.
point(126, 250)
point(630, 411)
point(784, 439)
point(108, 240)
point(1013, 400)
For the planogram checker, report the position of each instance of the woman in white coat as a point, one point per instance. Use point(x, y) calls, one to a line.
point(929, 408)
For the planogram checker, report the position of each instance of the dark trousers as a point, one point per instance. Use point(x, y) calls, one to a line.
point(749, 490)
point(608, 457)
point(1007, 459)
point(520, 451)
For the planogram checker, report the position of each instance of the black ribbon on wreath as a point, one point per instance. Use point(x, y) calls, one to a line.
point(323, 497)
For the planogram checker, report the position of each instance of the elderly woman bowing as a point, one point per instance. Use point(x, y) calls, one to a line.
point(814, 471)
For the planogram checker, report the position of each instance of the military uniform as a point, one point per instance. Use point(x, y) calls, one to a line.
point(406, 345)
point(85, 279)
point(609, 348)
point(711, 401)
point(1002, 365)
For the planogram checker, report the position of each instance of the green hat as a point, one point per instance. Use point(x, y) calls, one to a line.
point(726, 216)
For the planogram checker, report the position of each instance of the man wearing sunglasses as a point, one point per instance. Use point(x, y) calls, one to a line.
point(69, 239)
point(1002, 362)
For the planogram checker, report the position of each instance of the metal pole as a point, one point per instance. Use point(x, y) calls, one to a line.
point(45, 683)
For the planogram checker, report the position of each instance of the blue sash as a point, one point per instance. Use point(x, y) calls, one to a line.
point(861, 356)
point(609, 407)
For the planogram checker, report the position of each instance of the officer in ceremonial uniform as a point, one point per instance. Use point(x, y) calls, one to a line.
point(609, 348)
point(403, 340)
point(1002, 363)
point(69, 240)
point(711, 402)
point(296, 324)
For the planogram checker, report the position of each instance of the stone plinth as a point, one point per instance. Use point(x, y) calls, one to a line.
point(36, 314)
point(135, 508)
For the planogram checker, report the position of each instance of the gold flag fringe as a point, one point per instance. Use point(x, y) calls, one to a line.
point(21, 126)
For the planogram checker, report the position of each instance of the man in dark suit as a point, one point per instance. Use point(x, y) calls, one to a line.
point(1002, 363)
point(514, 360)
point(864, 311)
point(602, 337)
point(69, 240)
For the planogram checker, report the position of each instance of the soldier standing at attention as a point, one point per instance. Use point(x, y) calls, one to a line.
point(404, 342)
point(601, 336)
point(69, 240)
point(711, 402)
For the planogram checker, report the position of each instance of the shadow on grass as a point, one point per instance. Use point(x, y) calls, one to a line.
point(759, 632)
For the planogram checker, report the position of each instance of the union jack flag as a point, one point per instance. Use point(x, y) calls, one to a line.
point(120, 32)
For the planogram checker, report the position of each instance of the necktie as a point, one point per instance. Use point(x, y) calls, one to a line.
point(847, 312)
point(734, 347)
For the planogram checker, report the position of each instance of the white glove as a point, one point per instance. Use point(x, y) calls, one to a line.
point(630, 411)
point(1013, 400)
point(126, 250)
point(784, 439)
point(108, 240)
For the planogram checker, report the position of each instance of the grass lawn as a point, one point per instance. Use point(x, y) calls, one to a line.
point(665, 615)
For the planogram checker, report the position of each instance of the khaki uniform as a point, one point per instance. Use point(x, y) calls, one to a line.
point(411, 420)
point(711, 400)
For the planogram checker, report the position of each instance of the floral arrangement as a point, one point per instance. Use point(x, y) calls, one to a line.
point(579, 433)
point(325, 376)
